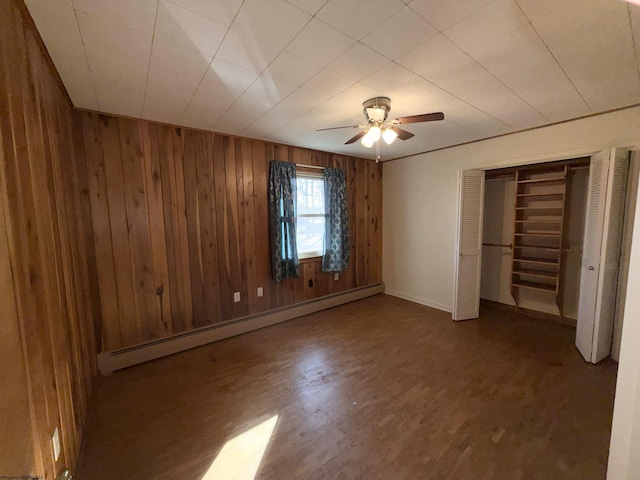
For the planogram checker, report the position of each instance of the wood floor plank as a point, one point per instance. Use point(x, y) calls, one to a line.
point(505, 396)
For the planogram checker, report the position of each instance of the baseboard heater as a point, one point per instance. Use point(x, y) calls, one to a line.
point(109, 362)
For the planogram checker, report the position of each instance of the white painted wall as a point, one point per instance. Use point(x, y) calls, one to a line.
point(420, 196)
point(624, 452)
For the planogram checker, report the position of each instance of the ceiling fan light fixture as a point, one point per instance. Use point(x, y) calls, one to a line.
point(389, 136)
point(371, 137)
point(367, 141)
point(376, 114)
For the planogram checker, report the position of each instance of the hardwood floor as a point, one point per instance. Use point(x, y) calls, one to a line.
point(376, 389)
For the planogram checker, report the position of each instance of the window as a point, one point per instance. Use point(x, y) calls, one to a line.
point(311, 212)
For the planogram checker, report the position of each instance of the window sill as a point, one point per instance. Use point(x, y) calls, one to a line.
point(317, 259)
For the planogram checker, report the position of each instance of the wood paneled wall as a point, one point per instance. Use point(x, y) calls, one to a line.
point(48, 341)
point(180, 222)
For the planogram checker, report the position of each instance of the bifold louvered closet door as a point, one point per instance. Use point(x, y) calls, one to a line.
point(604, 223)
point(469, 245)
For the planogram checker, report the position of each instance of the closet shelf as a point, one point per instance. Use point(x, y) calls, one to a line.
point(540, 261)
point(540, 208)
point(539, 221)
point(543, 180)
point(534, 286)
point(536, 273)
point(525, 195)
point(538, 247)
point(537, 234)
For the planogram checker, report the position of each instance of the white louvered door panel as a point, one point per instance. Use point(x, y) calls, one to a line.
point(610, 258)
point(466, 304)
point(591, 247)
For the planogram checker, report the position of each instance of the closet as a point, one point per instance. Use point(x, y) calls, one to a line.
point(532, 237)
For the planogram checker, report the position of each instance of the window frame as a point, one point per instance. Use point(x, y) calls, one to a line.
point(306, 171)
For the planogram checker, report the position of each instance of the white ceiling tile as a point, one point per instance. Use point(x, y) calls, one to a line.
point(431, 56)
point(259, 98)
point(276, 21)
point(487, 25)
point(139, 15)
point(247, 51)
point(61, 34)
point(118, 60)
point(523, 63)
point(309, 6)
point(390, 77)
point(320, 43)
point(357, 18)
point(444, 13)
point(183, 27)
point(221, 11)
point(230, 76)
point(602, 67)
point(208, 105)
point(291, 68)
point(120, 99)
point(178, 55)
point(463, 114)
point(358, 62)
point(400, 34)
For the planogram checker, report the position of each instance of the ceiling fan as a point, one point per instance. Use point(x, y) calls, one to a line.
point(376, 111)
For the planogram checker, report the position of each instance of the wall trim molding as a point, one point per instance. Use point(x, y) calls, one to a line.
point(421, 301)
point(109, 362)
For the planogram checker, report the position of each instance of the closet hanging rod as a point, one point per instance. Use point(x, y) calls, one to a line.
point(508, 245)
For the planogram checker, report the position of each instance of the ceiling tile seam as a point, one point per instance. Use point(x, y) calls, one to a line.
point(634, 40)
point(312, 14)
point(496, 78)
point(153, 38)
point(314, 108)
point(568, 120)
point(84, 49)
point(554, 57)
point(172, 2)
point(454, 23)
point(453, 94)
point(209, 66)
point(267, 67)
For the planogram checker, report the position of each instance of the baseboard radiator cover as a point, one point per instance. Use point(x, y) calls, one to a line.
point(109, 362)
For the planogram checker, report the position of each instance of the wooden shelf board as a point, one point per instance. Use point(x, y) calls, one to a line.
point(537, 234)
point(539, 221)
point(535, 286)
point(539, 208)
point(544, 180)
point(540, 261)
point(536, 273)
point(538, 247)
point(561, 194)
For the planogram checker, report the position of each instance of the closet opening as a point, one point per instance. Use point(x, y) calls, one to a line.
point(533, 227)
point(555, 241)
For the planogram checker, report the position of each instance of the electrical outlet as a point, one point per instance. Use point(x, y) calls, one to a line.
point(336, 277)
point(236, 297)
point(55, 441)
point(260, 291)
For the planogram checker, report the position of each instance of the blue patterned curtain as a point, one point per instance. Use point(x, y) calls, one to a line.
point(282, 220)
point(336, 256)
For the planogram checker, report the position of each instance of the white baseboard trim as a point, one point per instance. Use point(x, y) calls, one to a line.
point(421, 301)
point(109, 362)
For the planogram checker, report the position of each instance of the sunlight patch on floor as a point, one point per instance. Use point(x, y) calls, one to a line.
point(240, 457)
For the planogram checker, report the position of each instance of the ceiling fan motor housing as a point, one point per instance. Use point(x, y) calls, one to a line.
point(376, 109)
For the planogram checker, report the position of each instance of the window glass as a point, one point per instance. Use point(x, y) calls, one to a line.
point(311, 215)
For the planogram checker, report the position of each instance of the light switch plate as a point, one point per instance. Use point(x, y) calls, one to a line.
point(260, 291)
point(236, 297)
point(336, 277)
point(55, 441)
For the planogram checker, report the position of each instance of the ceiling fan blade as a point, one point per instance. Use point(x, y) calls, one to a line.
point(425, 117)
point(402, 134)
point(337, 128)
point(355, 138)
